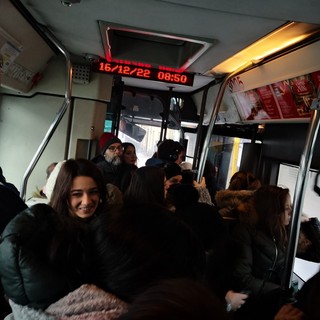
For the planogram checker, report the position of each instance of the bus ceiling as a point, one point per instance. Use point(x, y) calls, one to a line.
point(194, 37)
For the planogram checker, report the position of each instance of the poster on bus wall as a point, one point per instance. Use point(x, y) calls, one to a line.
point(287, 99)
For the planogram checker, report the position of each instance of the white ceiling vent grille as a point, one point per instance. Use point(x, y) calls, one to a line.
point(157, 50)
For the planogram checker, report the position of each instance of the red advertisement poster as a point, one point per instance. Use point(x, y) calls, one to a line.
point(268, 102)
point(243, 103)
point(303, 92)
point(316, 80)
point(251, 106)
point(285, 99)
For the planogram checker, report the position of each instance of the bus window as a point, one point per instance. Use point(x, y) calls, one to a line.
point(287, 178)
point(225, 155)
point(141, 121)
point(148, 146)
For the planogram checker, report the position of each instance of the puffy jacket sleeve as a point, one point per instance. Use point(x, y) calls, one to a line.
point(26, 275)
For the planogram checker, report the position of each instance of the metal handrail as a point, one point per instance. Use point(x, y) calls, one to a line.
point(298, 197)
point(59, 116)
point(213, 117)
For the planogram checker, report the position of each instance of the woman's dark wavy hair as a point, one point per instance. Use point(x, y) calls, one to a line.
point(146, 186)
point(269, 203)
point(128, 144)
point(69, 170)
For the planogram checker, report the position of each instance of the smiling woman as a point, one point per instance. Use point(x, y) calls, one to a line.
point(52, 238)
point(79, 190)
point(84, 197)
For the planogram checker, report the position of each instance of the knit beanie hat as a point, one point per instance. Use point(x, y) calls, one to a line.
point(106, 140)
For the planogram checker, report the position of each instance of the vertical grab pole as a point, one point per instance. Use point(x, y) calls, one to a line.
point(298, 197)
point(213, 117)
point(56, 121)
point(200, 130)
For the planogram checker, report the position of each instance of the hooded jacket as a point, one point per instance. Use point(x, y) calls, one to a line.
point(229, 202)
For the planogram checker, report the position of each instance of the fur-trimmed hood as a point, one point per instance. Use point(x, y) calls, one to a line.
point(231, 202)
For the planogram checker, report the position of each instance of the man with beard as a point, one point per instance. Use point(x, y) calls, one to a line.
point(111, 167)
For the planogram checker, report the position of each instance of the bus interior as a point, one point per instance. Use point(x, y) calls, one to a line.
point(236, 82)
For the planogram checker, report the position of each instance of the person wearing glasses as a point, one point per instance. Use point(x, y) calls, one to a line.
point(112, 167)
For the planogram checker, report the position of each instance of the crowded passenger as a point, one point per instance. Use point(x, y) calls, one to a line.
point(189, 177)
point(237, 198)
point(173, 175)
point(111, 165)
point(141, 244)
point(308, 247)
point(75, 248)
point(206, 222)
point(10, 205)
point(210, 174)
point(9, 185)
point(103, 139)
point(305, 305)
point(113, 169)
point(129, 155)
point(129, 160)
point(147, 186)
point(175, 299)
point(41, 193)
point(167, 151)
point(260, 247)
point(79, 191)
point(203, 218)
point(129, 249)
point(43, 253)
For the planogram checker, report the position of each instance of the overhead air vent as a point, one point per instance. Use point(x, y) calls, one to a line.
point(129, 45)
point(81, 74)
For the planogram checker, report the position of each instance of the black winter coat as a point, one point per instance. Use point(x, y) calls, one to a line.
point(119, 175)
point(10, 205)
point(259, 262)
point(28, 275)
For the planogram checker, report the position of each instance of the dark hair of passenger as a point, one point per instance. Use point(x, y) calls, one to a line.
point(138, 245)
point(269, 203)
point(169, 150)
point(176, 299)
point(242, 180)
point(183, 194)
point(66, 247)
point(125, 145)
point(146, 186)
point(69, 170)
